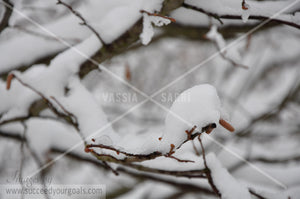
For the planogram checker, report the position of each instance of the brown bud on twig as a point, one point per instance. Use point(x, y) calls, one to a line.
point(8, 81)
point(226, 125)
point(245, 6)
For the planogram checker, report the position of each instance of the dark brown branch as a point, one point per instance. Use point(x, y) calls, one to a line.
point(185, 187)
point(22, 152)
point(210, 14)
point(7, 14)
point(83, 21)
point(208, 173)
point(256, 194)
point(24, 118)
point(125, 41)
point(12, 135)
point(179, 160)
point(71, 115)
point(66, 117)
point(238, 17)
point(187, 174)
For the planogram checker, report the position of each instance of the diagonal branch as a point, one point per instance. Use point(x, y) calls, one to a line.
point(6, 16)
point(83, 20)
point(66, 115)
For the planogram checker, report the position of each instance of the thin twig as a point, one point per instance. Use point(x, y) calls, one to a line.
point(22, 158)
point(36, 159)
point(210, 14)
point(83, 21)
point(71, 115)
point(179, 160)
point(66, 117)
point(208, 173)
point(238, 17)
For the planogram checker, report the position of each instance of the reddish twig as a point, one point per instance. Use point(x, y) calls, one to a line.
point(158, 15)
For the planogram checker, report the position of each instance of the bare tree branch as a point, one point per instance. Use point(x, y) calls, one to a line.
point(84, 22)
point(238, 17)
point(6, 16)
point(208, 173)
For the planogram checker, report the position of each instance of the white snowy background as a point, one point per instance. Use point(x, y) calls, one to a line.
point(52, 106)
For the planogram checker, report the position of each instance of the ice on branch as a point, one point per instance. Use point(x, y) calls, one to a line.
point(202, 107)
point(148, 30)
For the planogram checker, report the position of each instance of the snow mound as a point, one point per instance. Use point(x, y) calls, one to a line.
point(199, 105)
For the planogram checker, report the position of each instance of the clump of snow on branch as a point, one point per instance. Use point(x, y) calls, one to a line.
point(231, 54)
point(199, 105)
point(215, 36)
point(246, 12)
point(148, 29)
point(50, 80)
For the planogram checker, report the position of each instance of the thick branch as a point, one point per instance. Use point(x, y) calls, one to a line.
point(6, 16)
point(126, 40)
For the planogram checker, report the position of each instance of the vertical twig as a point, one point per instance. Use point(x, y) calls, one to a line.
point(208, 174)
point(7, 14)
point(22, 158)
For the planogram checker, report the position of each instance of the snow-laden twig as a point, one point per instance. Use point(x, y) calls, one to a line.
point(220, 43)
point(238, 17)
point(67, 116)
point(208, 173)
